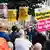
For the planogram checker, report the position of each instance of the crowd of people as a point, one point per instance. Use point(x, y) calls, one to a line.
point(22, 38)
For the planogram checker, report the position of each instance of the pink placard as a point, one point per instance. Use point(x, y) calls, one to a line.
point(43, 25)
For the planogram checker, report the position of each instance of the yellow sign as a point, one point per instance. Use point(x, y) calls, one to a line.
point(12, 15)
point(23, 13)
point(42, 13)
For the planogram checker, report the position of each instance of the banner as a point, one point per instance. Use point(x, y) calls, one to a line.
point(42, 13)
point(42, 16)
point(43, 25)
point(12, 15)
point(23, 13)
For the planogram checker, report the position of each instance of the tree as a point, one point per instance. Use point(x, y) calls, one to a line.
point(3, 1)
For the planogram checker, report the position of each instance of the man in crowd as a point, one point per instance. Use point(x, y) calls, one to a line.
point(37, 46)
point(4, 45)
point(21, 43)
point(4, 31)
point(14, 33)
point(38, 37)
point(4, 34)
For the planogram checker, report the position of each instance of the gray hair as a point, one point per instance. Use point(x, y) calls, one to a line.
point(21, 32)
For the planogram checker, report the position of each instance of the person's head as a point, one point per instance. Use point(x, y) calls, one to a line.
point(20, 33)
point(14, 28)
point(37, 46)
point(3, 27)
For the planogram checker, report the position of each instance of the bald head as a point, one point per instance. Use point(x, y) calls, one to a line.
point(3, 27)
point(37, 46)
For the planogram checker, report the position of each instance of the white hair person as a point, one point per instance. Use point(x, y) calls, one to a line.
point(21, 31)
point(37, 46)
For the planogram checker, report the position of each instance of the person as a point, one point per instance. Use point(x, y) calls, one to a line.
point(37, 46)
point(3, 31)
point(14, 33)
point(38, 37)
point(22, 32)
point(4, 34)
point(4, 45)
point(29, 33)
point(21, 43)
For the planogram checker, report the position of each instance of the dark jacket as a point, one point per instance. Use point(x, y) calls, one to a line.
point(38, 37)
point(13, 36)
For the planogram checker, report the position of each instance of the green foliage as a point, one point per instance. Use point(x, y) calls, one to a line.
point(3, 1)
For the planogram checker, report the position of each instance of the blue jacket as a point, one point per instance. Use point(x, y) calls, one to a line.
point(4, 35)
